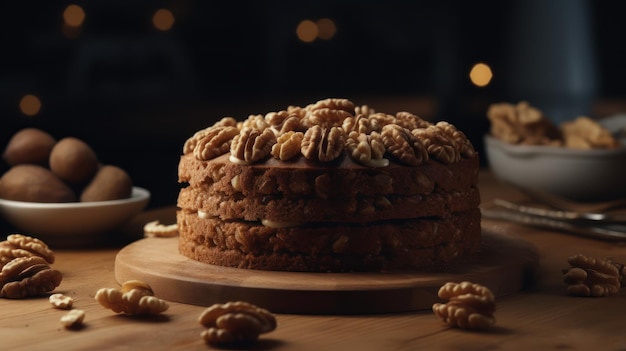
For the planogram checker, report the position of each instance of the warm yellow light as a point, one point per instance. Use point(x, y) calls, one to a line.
point(481, 74)
point(74, 16)
point(30, 105)
point(326, 28)
point(307, 31)
point(163, 19)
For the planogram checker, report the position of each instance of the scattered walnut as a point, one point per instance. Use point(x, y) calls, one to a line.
point(253, 122)
point(134, 298)
point(235, 323)
point(585, 133)
point(252, 145)
point(18, 245)
point(403, 146)
point(61, 301)
point(73, 319)
point(469, 306)
point(159, 230)
point(522, 124)
point(367, 149)
point(28, 276)
point(323, 144)
point(287, 145)
point(211, 142)
point(589, 276)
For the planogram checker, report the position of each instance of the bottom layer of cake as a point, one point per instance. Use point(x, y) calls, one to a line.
point(418, 243)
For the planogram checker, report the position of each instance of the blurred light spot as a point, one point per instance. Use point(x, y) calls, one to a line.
point(307, 31)
point(481, 74)
point(74, 16)
point(163, 19)
point(326, 28)
point(30, 105)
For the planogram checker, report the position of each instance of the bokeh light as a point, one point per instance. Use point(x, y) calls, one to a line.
point(30, 105)
point(307, 31)
point(326, 28)
point(481, 74)
point(163, 19)
point(74, 16)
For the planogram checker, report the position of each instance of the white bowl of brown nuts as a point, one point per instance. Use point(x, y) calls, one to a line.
point(73, 219)
point(59, 188)
point(583, 159)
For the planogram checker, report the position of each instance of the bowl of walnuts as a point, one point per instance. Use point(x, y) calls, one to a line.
point(59, 189)
point(583, 159)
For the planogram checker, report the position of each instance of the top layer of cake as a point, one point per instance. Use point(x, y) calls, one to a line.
point(326, 131)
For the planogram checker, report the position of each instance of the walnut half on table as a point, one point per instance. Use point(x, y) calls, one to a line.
point(235, 323)
point(25, 267)
point(469, 306)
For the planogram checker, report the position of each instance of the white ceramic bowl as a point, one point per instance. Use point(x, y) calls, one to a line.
point(81, 222)
point(582, 175)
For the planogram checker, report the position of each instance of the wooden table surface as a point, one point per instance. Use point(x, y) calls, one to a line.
point(541, 317)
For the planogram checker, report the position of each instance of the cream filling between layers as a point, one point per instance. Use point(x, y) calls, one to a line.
point(265, 222)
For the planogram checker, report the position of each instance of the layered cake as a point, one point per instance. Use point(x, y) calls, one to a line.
point(328, 187)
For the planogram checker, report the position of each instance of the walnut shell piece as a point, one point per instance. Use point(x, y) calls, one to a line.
point(470, 306)
point(592, 277)
point(235, 323)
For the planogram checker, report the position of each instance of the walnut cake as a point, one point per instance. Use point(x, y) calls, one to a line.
point(329, 187)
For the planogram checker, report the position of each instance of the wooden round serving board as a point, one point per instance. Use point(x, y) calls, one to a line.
point(504, 265)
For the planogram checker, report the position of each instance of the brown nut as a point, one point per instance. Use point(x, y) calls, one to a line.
point(33, 183)
point(235, 322)
point(29, 145)
point(109, 183)
point(469, 306)
point(72, 160)
point(593, 277)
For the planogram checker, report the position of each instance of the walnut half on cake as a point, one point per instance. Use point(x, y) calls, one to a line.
point(329, 187)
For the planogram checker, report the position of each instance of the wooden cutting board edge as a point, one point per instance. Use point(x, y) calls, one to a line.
point(505, 264)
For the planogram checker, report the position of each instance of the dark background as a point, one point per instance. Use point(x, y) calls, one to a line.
point(135, 94)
